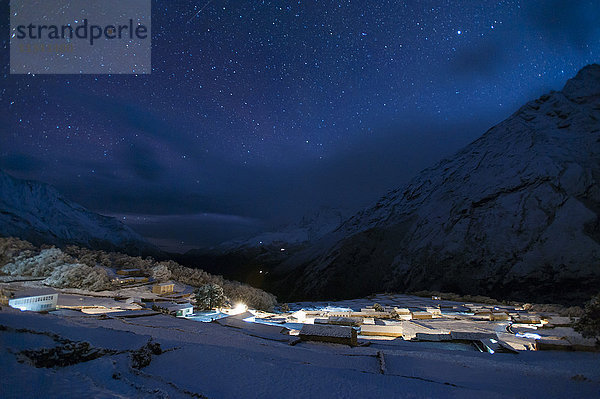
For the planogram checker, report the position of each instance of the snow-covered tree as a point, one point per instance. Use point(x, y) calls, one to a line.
point(161, 272)
point(210, 296)
point(11, 247)
point(79, 276)
point(41, 265)
point(60, 269)
point(589, 324)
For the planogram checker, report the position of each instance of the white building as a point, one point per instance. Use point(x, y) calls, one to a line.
point(175, 309)
point(36, 300)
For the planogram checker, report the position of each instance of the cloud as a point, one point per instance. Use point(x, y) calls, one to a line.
point(147, 219)
point(148, 176)
point(186, 231)
point(130, 116)
point(144, 161)
point(149, 134)
point(565, 20)
point(484, 59)
point(17, 162)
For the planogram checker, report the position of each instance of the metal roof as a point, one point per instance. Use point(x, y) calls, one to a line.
point(34, 292)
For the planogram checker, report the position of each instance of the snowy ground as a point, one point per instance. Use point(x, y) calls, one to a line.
point(216, 361)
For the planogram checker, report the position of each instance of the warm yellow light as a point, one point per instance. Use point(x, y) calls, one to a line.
point(240, 308)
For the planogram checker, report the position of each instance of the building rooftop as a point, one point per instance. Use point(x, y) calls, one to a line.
point(326, 331)
point(34, 292)
point(175, 306)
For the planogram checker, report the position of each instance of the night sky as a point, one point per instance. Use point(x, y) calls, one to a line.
point(257, 112)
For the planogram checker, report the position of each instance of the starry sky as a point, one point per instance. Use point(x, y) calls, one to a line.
point(257, 112)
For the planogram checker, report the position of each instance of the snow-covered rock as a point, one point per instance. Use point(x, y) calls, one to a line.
point(515, 213)
point(36, 212)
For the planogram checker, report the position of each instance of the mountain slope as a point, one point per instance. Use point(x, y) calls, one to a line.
point(36, 212)
point(251, 260)
point(514, 214)
point(311, 227)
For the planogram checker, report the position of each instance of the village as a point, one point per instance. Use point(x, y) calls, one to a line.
point(383, 319)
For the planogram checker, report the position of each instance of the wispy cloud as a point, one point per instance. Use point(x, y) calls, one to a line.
point(142, 219)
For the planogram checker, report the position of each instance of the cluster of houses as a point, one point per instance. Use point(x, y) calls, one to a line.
point(368, 315)
point(128, 277)
point(175, 303)
point(489, 328)
point(170, 301)
point(46, 299)
point(161, 298)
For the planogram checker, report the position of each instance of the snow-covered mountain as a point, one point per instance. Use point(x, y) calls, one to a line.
point(36, 212)
point(251, 259)
point(311, 227)
point(515, 214)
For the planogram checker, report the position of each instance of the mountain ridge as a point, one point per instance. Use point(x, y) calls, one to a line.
point(38, 213)
point(515, 213)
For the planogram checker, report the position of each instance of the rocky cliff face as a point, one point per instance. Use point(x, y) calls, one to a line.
point(514, 214)
point(36, 212)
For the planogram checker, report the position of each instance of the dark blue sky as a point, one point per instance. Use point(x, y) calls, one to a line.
point(259, 111)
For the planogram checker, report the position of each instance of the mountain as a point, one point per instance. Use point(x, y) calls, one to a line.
point(515, 214)
point(36, 212)
point(251, 260)
point(311, 227)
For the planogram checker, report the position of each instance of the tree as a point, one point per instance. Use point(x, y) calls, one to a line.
point(589, 324)
point(79, 276)
point(377, 307)
point(161, 272)
point(210, 296)
point(284, 307)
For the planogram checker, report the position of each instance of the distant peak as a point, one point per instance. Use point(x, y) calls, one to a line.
point(585, 84)
point(589, 70)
